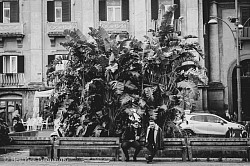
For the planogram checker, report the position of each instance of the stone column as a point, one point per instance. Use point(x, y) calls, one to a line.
point(214, 47)
point(132, 17)
point(192, 17)
point(140, 19)
point(35, 37)
point(88, 15)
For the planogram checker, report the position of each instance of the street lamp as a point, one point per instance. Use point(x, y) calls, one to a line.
point(238, 26)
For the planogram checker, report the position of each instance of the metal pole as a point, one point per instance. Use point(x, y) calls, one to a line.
point(238, 63)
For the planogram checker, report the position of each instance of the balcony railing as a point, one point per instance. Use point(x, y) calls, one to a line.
point(115, 26)
point(245, 35)
point(59, 27)
point(11, 28)
point(12, 79)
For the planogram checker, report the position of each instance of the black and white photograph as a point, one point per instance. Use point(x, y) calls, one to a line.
point(124, 82)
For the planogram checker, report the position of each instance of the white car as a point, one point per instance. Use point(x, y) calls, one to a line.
point(208, 124)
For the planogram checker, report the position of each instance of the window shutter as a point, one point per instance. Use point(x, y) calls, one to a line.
point(20, 64)
point(102, 10)
point(125, 10)
point(51, 58)
point(1, 12)
point(50, 11)
point(177, 11)
point(154, 9)
point(1, 64)
point(66, 10)
point(14, 11)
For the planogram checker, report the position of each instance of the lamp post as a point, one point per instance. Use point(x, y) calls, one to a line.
point(213, 20)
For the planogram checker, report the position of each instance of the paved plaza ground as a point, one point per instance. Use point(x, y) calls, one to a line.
point(139, 163)
point(19, 158)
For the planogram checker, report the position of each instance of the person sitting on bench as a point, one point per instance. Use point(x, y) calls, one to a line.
point(131, 137)
point(17, 124)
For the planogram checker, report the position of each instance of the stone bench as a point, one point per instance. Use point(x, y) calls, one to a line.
point(20, 143)
point(72, 143)
point(217, 144)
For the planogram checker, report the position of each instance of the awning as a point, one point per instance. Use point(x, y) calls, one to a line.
point(46, 93)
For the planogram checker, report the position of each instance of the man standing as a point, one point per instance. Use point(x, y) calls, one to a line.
point(154, 140)
point(131, 137)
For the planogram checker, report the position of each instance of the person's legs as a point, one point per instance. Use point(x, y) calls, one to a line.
point(152, 151)
point(137, 147)
point(125, 146)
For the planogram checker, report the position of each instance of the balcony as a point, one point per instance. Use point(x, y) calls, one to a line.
point(55, 29)
point(11, 28)
point(8, 30)
point(119, 27)
point(12, 79)
point(245, 34)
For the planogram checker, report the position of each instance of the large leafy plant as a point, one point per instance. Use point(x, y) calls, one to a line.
point(108, 82)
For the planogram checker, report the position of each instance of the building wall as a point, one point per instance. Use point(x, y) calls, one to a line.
point(222, 55)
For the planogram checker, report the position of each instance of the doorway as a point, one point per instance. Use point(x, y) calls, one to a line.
point(245, 89)
point(10, 106)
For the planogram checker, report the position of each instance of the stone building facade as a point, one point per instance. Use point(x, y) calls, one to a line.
point(220, 48)
point(31, 32)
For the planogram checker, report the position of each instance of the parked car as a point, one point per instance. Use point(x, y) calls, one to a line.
point(208, 124)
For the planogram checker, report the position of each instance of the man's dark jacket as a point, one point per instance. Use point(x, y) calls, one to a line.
point(129, 133)
point(158, 137)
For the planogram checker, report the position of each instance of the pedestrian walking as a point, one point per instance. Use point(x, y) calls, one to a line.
point(154, 140)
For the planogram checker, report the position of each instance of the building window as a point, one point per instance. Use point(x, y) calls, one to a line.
point(9, 11)
point(114, 10)
point(114, 13)
point(59, 11)
point(160, 6)
point(11, 64)
point(61, 61)
point(6, 12)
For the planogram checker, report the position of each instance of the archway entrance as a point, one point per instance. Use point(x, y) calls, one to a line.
point(245, 90)
point(10, 106)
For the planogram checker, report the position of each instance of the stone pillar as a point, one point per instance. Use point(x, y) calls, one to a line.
point(90, 19)
point(36, 59)
point(214, 47)
point(140, 24)
point(192, 17)
point(132, 17)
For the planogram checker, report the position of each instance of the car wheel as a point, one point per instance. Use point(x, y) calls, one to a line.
point(189, 133)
